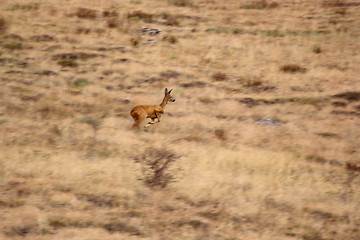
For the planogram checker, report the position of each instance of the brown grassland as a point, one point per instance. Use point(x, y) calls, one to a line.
point(261, 143)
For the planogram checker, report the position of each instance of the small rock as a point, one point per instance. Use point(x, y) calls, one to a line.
point(125, 100)
point(268, 121)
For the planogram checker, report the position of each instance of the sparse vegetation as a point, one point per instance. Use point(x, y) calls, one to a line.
point(86, 13)
point(259, 4)
point(13, 45)
point(156, 167)
point(80, 82)
point(3, 25)
point(317, 49)
point(181, 3)
point(67, 63)
point(219, 76)
point(32, 6)
point(170, 39)
point(293, 68)
point(139, 15)
point(333, 3)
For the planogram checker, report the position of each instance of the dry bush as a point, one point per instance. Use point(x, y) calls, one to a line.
point(13, 45)
point(139, 15)
point(170, 39)
point(333, 3)
point(86, 13)
point(181, 3)
point(113, 22)
point(110, 13)
point(170, 20)
point(219, 76)
point(32, 6)
point(293, 68)
point(259, 4)
point(67, 63)
point(220, 134)
point(156, 166)
point(3, 25)
point(317, 49)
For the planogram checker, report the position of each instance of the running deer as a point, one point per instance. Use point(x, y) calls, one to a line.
point(140, 112)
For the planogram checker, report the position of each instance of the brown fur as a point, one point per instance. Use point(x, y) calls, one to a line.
point(140, 112)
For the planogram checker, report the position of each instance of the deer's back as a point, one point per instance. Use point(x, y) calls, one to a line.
point(148, 109)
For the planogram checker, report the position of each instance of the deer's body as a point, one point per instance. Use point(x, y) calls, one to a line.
point(140, 112)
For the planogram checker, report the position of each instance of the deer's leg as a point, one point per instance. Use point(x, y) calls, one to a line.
point(138, 118)
point(157, 114)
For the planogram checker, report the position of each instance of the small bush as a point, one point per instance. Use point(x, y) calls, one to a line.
point(3, 25)
point(259, 4)
point(25, 7)
point(86, 13)
point(181, 3)
point(333, 3)
point(172, 21)
point(156, 166)
point(67, 63)
point(273, 33)
point(95, 123)
point(112, 22)
point(135, 42)
point(220, 134)
point(139, 15)
point(219, 76)
point(14, 45)
point(80, 82)
point(110, 13)
point(170, 39)
point(317, 49)
point(293, 68)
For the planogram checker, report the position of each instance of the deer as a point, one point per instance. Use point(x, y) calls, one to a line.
point(140, 112)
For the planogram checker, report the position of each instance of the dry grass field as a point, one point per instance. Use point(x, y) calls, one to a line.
point(261, 143)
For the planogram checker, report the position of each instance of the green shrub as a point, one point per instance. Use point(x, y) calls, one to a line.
point(80, 82)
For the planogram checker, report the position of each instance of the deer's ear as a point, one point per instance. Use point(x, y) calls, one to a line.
point(170, 91)
point(166, 91)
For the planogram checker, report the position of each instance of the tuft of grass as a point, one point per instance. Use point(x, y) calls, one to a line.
point(170, 39)
point(317, 49)
point(327, 134)
point(156, 166)
point(67, 63)
point(3, 25)
point(220, 134)
point(140, 15)
point(170, 19)
point(24, 7)
point(333, 3)
point(117, 226)
point(13, 45)
point(181, 3)
point(219, 76)
point(259, 4)
point(80, 82)
point(273, 33)
point(95, 123)
point(113, 22)
point(310, 101)
point(293, 68)
point(86, 13)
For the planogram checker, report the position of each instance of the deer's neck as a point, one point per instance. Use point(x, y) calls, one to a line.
point(164, 102)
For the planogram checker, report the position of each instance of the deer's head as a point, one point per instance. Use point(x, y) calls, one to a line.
point(168, 95)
